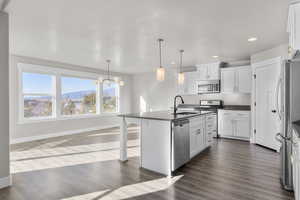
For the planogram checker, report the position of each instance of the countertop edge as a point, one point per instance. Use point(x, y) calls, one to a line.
point(163, 119)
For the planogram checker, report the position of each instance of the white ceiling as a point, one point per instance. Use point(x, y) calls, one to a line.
point(88, 32)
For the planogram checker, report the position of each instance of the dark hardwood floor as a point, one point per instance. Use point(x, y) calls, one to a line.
point(230, 170)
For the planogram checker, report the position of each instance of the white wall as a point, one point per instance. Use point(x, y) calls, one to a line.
point(4, 105)
point(19, 131)
point(281, 50)
point(159, 95)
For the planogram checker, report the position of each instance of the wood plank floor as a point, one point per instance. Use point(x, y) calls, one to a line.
point(85, 166)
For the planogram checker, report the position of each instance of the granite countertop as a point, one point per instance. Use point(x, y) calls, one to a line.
point(236, 107)
point(296, 126)
point(162, 115)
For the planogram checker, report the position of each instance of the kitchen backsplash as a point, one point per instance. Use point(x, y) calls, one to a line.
point(229, 99)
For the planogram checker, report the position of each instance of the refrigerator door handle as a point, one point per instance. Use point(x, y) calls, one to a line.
point(277, 98)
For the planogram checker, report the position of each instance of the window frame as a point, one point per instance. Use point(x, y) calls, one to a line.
point(22, 94)
point(57, 74)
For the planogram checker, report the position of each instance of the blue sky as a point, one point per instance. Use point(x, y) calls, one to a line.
point(40, 83)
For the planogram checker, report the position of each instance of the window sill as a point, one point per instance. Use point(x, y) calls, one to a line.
point(62, 118)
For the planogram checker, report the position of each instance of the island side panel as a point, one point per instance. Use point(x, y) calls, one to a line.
point(156, 146)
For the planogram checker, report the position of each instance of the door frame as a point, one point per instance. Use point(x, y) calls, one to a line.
point(254, 66)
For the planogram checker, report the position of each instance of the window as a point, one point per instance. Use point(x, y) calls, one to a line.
point(78, 96)
point(38, 95)
point(53, 93)
point(110, 97)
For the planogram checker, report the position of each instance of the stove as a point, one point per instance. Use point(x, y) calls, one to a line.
point(210, 105)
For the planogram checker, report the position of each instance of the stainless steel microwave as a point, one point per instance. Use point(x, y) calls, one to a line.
point(208, 87)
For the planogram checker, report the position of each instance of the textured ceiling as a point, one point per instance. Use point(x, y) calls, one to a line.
point(89, 32)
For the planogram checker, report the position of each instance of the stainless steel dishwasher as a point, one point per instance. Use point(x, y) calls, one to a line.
point(181, 143)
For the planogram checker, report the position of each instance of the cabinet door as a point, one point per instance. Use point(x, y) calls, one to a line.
point(203, 73)
point(226, 124)
point(242, 128)
point(189, 85)
point(228, 83)
point(213, 71)
point(244, 79)
point(193, 143)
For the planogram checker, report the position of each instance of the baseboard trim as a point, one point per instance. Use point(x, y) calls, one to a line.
point(5, 182)
point(64, 133)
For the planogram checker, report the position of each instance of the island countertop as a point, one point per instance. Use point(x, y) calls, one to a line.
point(163, 115)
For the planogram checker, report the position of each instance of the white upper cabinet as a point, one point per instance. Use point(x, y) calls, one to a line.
point(189, 85)
point(228, 80)
point(204, 72)
point(236, 80)
point(244, 79)
point(293, 26)
point(209, 71)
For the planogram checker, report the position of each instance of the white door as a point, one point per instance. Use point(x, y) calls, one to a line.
point(244, 82)
point(228, 81)
point(267, 122)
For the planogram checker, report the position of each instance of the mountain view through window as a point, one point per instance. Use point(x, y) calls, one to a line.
point(78, 96)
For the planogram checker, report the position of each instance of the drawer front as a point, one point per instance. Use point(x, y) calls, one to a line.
point(210, 136)
point(211, 118)
point(211, 127)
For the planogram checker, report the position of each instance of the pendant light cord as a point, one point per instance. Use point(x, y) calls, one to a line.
point(108, 71)
point(160, 57)
point(181, 55)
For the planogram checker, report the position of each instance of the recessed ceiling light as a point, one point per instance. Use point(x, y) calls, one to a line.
point(252, 39)
point(215, 56)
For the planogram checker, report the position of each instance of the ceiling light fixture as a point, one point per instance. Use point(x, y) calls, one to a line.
point(252, 39)
point(109, 80)
point(215, 56)
point(181, 74)
point(160, 72)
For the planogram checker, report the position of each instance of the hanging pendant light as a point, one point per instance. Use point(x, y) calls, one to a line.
point(181, 74)
point(110, 80)
point(160, 72)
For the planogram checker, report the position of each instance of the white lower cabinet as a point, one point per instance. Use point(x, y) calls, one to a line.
point(234, 124)
point(202, 130)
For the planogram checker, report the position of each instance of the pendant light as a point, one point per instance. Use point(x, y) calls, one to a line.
point(181, 74)
point(110, 80)
point(160, 72)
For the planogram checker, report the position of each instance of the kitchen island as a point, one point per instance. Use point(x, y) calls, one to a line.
point(167, 141)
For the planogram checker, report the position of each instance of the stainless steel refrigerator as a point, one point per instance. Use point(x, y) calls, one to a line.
point(288, 109)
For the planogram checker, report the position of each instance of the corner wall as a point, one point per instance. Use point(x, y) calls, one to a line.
point(36, 130)
point(4, 105)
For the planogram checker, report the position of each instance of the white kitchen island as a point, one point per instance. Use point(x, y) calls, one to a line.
point(160, 133)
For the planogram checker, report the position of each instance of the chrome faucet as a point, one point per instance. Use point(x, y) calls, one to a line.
point(175, 107)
